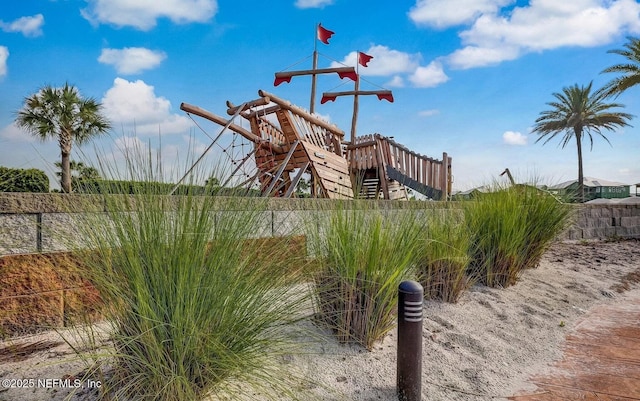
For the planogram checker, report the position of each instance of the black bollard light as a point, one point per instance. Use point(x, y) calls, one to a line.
point(409, 379)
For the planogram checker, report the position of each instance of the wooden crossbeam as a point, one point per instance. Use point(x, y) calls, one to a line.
point(263, 101)
point(343, 72)
point(277, 148)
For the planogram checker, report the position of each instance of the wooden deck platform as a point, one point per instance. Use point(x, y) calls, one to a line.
point(601, 359)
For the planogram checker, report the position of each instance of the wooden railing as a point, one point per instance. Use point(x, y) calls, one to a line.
point(377, 151)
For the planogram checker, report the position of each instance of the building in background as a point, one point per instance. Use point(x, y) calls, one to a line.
point(594, 188)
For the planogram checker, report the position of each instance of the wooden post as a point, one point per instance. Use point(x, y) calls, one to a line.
point(444, 179)
point(312, 106)
point(450, 176)
point(354, 118)
point(382, 167)
point(276, 177)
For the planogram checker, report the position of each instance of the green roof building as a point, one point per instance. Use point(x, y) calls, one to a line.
point(594, 188)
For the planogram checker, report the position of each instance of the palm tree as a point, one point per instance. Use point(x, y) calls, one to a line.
point(578, 112)
point(630, 71)
point(62, 113)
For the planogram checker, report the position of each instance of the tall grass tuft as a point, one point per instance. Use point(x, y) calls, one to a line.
point(546, 218)
point(442, 267)
point(362, 254)
point(194, 302)
point(511, 227)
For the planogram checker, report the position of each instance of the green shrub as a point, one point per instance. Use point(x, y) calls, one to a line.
point(442, 267)
point(510, 230)
point(23, 180)
point(362, 255)
point(86, 186)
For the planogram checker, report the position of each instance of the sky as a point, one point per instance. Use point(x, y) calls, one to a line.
point(469, 77)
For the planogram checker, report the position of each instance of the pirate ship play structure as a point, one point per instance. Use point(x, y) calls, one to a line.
point(289, 142)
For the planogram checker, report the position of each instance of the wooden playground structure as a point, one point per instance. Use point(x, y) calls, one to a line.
point(289, 142)
point(298, 142)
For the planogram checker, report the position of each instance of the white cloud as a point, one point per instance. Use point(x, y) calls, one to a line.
point(446, 13)
point(544, 25)
point(514, 138)
point(396, 82)
point(385, 61)
point(135, 105)
point(429, 76)
point(313, 3)
point(14, 133)
point(429, 113)
point(143, 14)
point(4, 55)
point(477, 56)
point(399, 65)
point(130, 145)
point(28, 26)
point(132, 60)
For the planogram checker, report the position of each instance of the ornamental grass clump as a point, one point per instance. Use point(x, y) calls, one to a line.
point(443, 261)
point(546, 218)
point(361, 255)
point(498, 234)
point(511, 227)
point(196, 308)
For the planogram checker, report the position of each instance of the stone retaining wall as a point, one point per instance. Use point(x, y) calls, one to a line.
point(31, 223)
point(605, 222)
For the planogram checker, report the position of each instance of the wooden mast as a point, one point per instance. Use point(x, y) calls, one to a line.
point(314, 78)
point(343, 72)
point(361, 58)
point(354, 118)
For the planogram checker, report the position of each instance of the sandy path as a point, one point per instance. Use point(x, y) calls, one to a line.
point(482, 348)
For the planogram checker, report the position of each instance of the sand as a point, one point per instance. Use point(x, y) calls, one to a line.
point(482, 348)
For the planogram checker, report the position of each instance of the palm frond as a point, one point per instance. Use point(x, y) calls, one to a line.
point(630, 70)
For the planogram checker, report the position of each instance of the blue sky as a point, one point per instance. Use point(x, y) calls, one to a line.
point(469, 77)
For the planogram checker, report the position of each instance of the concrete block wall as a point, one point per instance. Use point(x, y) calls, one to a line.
point(605, 222)
point(31, 223)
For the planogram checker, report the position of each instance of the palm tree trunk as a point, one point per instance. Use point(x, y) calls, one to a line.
point(65, 181)
point(578, 132)
point(65, 150)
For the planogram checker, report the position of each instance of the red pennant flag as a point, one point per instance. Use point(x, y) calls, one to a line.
point(363, 59)
point(327, 98)
point(324, 34)
point(388, 96)
point(281, 79)
point(352, 75)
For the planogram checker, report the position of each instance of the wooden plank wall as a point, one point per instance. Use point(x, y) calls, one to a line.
point(331, 169)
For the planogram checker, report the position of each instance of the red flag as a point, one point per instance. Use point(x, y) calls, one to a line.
point(348, 74)
point(327, 98)
point(280, 78)
point(324, 34)
point(363, 59)
point(386, 95)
